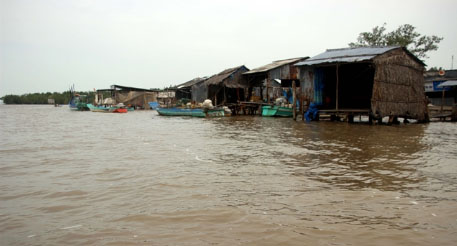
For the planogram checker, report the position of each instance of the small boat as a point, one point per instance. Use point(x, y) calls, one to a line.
point(118, 110)
point(194, 112)
point(276, 111)
point(97, 108)
point(114, 109)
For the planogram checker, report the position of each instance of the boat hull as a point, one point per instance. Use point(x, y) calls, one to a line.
point(197, 112)
point(276, 111)
point(97, 108)
point(119, 110)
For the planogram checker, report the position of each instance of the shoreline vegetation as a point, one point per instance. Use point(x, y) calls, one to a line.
point(42, 98)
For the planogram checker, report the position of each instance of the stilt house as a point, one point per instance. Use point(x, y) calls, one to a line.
point(374, 81)
point(223, 88)
point(281, 72)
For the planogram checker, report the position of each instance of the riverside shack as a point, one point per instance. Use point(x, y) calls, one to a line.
point(281, 72)
point(372, 81)
point(224, 88)
point(184, 90)
point(135, 97)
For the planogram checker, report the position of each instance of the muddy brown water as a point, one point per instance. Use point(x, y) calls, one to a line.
point(83, 178)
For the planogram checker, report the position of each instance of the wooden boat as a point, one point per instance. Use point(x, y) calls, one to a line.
point(113, 109)
point(276, 111)
point(97, 108)
point(194, 112)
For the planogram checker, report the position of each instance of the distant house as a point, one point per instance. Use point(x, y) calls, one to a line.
point(271, 77)
point(374, 81)
point(134, 97)
point(434, 90)
point(223, 88)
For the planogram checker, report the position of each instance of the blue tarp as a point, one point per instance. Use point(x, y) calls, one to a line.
point(312, 112)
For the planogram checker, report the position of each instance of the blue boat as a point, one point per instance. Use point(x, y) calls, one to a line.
point(77, 104)
point(153, 105)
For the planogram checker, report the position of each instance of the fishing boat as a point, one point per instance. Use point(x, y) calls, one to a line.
point(194, 112)
point(77, 102)
point(276, 111)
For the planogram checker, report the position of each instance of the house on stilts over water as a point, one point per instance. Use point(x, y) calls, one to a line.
point(365, 81)
point(224, 89)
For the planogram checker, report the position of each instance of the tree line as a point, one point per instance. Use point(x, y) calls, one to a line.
point(42, 98)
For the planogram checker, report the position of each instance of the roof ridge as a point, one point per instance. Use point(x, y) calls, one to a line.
point(295, 58)
point(360, 47)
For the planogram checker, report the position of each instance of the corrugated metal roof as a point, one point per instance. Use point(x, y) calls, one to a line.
point(448, 83)
point(128, 88)
point(220, 77)
point(347, 55)
point(275, 64)
point(191, 82)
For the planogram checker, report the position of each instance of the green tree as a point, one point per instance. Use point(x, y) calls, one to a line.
point(405, 35)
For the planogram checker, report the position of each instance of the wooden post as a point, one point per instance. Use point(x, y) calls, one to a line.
point(337, 85)
point(268, 91)
point(294, 96)
point(442, 100)
point(302, 105)
point(454, 113)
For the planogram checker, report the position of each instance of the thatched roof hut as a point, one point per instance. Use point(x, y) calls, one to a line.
point(381, 81)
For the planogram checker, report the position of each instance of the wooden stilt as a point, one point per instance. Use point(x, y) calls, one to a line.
point(294, 96)
point(337, 85)
point(370, 119)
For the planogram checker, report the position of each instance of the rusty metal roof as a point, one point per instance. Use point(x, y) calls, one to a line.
point(275, 64)
point(191, 82)
point(222, 76)
point(349, 55)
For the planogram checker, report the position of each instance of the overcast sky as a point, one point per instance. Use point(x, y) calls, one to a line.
point(47, 45)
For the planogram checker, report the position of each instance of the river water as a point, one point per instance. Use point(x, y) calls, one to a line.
point(83, 178)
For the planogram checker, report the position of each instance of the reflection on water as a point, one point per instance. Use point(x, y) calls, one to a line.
point(83, 178)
